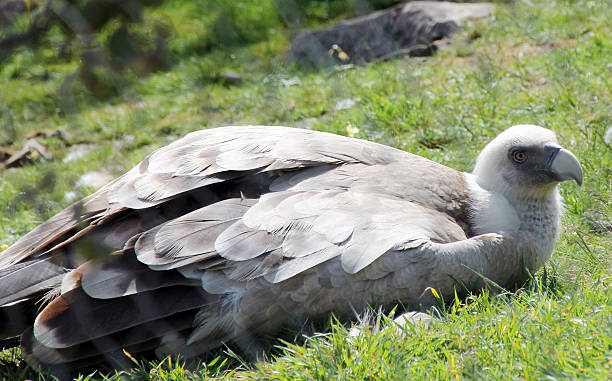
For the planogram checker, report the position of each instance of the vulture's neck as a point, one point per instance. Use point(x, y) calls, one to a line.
point(532, 216)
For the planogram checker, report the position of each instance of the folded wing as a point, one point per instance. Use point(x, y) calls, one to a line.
point(217, 213)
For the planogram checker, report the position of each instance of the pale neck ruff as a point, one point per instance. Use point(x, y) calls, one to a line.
point(536, 214)
point(539, 216)
point(532, 218)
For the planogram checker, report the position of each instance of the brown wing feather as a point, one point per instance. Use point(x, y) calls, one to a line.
point(126, 276)
point(47, 233)
point(75, 318)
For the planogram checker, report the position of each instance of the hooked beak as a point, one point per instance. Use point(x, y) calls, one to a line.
point(563, 165)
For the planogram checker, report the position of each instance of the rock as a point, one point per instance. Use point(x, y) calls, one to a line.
point(414, 319)
point(307, 123)
point(405, 29)
point(78, 151)
point(95, 179)
point(411, 321)
point(347, 103)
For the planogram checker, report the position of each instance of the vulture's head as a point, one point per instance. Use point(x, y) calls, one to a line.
point(525, 161)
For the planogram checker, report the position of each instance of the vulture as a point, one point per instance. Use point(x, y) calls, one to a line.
point(233, 234)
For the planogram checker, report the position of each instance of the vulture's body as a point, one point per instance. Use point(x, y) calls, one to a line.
point(236, 232)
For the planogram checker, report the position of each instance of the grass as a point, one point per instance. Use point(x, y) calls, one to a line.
point(546, 64)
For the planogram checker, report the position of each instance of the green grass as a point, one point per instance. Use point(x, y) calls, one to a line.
point(548, 64)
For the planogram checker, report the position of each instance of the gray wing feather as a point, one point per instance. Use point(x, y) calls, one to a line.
point(178, 264)
point(263, 215)
point(106, 281)
point(242, 161)
point(336, 226)
point(28, 278)
point(300, 264)
point(287, 233)
point(206, 157)
point(240, 242)
point(157, 187)
point(301, 244)
point(188, 238)
point(190, 235)
point(215, 282)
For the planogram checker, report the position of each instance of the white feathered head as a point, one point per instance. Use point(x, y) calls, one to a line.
point(525, 160)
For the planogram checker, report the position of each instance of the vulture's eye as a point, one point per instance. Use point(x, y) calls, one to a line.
point(519, 156)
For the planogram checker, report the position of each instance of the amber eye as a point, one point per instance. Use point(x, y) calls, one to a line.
point(519, 156)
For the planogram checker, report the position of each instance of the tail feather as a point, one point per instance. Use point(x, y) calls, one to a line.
point(137, 339)
point(18, 316)
point(28, 278)
point(74, 317)
point(52, 360)
point(23, 287)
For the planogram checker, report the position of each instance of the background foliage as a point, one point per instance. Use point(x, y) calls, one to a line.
point(546, 62)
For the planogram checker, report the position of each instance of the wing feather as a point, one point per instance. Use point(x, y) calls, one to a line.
point(74, 317)
point(47, 232)
point(192, 234)
point(150, 332)
point(29, 277)
point(240, 242)
point(126, 276)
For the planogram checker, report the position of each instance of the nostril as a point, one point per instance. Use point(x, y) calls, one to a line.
point(552, 149)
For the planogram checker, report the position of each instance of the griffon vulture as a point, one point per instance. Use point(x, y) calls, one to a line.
point(234, 233)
